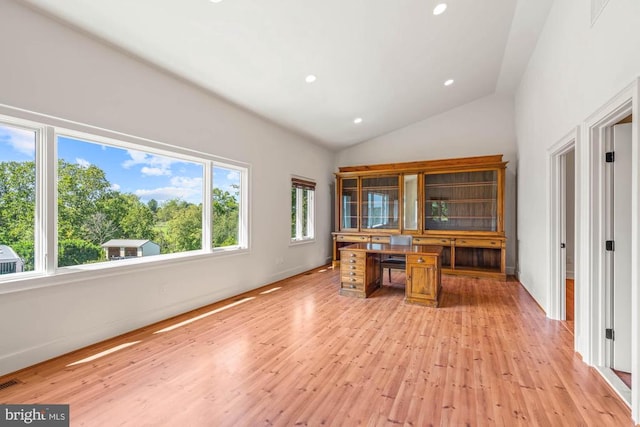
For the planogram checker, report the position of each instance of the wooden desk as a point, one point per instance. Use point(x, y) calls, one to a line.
point(360, 272)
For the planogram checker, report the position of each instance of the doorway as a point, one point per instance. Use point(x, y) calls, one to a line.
point(597, 310)
point(562, 220)
point(568, 244)
point(618, 177)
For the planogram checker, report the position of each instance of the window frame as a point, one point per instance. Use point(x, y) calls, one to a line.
point(243, 211)
point(301, 184)
point(47, 130)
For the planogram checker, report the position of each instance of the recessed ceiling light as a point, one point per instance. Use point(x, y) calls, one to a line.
point(439, 9)
point(448, 82)
point(357, 120)
point(310, 78)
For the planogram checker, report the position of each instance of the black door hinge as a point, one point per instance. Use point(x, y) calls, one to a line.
point(610, 156)
point(610, 246)
point(562, 245)
point(609, 334)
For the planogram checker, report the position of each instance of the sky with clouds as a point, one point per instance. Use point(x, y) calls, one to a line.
point(148, 176)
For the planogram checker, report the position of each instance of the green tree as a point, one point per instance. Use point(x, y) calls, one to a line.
point(225, 218)
point(79, 191)
point(131, 218)
point(153, 205)
point(170, 209)
point(17, 209)
point(17, 202)
point(184, 230)
point(77, 251)
point(25, 250)
point(136, 221)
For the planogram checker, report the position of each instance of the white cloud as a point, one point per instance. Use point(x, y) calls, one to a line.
point(168, 193)
point(82, 163)
point(152, 165)
point(155, 171)
point(186, 182)
point(115, 187)
point(233, 176)
point(22, 141)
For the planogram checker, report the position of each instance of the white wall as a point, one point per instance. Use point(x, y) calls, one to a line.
point(51, 69)
point(482, 127)
point(574, 70)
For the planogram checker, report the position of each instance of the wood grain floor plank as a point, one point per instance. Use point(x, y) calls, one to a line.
point(304, 355)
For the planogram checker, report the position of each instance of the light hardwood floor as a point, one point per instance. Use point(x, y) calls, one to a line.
point(303, 355)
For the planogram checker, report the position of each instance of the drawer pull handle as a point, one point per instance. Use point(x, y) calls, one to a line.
point(352, 273)
point(353, 286)
point(352, 255)
point(353, 280)
point(352, 261)
point(443, 241)
point(493, 243)
point(420, 260)
point(352, 267)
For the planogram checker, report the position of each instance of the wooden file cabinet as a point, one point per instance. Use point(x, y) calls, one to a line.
point(423, 279)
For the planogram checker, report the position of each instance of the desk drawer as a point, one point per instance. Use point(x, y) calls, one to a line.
point(438, 241)
point(355, 239)
point(380, 239)
point(352, 282)
point(421, 259)
point(349, 256)
point(479, 243)
point(352, 266)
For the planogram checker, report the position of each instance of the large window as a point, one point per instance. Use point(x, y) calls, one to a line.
point(71, 197)
point(17, 198)
point(302, 209)
point(116, 203)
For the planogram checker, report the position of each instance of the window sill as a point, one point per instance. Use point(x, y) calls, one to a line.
point(65, 275)
point(302, 242)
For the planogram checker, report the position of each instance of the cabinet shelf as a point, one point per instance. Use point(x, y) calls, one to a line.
point(380, 188)
point(461, 201)
point(460, 217)
point(462, 184)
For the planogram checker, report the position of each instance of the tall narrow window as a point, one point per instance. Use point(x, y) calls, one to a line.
point(116, 203)
point(227, 204)
point(17, 199)
point(302, 209)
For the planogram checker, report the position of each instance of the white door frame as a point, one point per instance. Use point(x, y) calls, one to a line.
point(591, 227)
point(557, 224)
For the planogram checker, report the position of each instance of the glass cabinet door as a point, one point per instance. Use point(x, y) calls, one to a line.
point(461, 201)
point(380, 209)
point(349, 204)
point(410, 202)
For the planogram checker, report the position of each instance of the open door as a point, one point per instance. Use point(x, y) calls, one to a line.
point(619, 249)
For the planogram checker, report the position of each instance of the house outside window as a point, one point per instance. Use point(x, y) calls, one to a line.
point(302, 209)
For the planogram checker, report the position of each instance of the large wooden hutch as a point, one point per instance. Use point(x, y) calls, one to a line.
point(454, 203)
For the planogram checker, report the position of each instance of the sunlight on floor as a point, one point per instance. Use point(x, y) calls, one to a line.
point(202, 316)
point(268, 291)
point(104, 353)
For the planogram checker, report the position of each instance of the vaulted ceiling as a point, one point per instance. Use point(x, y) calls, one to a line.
point(379, 60)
